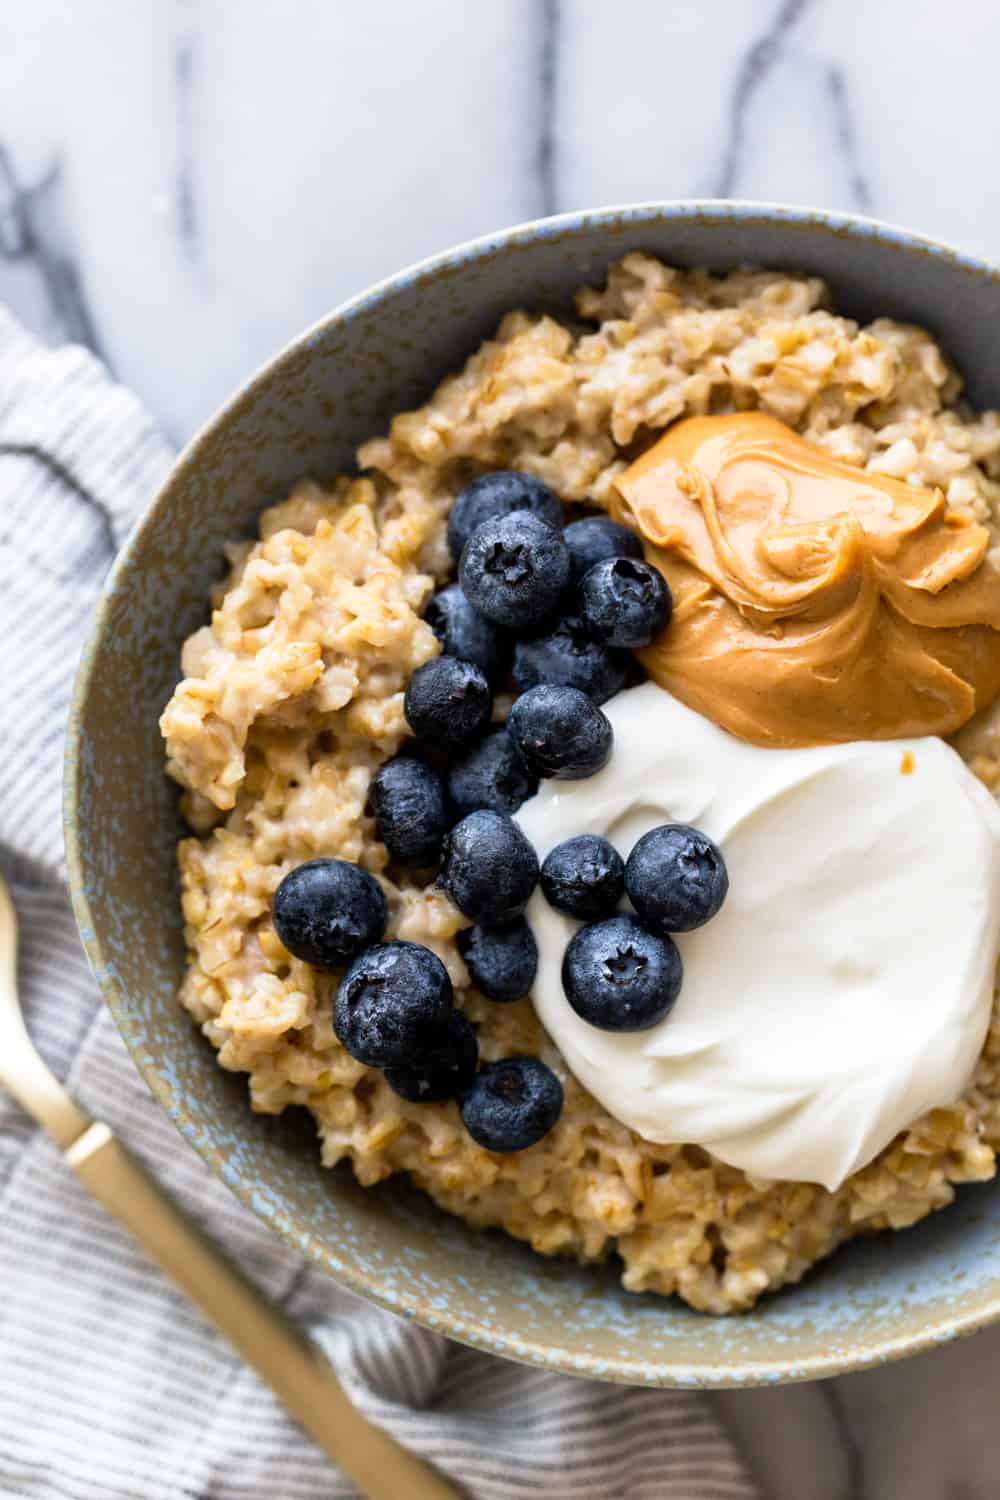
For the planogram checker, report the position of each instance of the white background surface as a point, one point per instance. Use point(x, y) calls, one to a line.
point(185, 184)
point(188, 183)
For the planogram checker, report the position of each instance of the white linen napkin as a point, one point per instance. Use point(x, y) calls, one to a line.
point(111, 1385)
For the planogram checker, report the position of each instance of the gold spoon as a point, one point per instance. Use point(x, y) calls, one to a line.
point(283, 1357)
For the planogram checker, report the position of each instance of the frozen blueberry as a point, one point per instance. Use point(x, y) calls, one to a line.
point(511, 1104)
point(448, 702)
point(559, 732)
point(327, 910)
point(568, 656)
point(391, 1000)
point(490, 869)
point(408, 803)
point(676, 878)
point(514, 569)
point(594, 538)
point(492, 775)
point(443, 1067)
point(502, 960)
point(625, 601)
point(497, 495)
point(465, 633)
point(619, 977)
point(584, 877)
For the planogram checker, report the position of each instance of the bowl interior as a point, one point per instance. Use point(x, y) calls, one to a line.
point(305, 414)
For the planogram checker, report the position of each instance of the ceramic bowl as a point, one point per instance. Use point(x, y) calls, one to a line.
point(304, 413)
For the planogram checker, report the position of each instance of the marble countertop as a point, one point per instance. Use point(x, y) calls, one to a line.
point(185, 184)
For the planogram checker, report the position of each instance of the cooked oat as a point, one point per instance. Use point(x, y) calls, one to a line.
point(293, 695)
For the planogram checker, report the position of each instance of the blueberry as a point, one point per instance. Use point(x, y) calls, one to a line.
point(499, 494)
point(676, 878)
point(568, 655)
point(465, 633)
point(559, 732)
point(490, 868)
point(502, 960)
point(619, 977)
point(492, 775)
point(584, 876)
point(594, 538)
point(408, 803)
point(514, 569)
point(511, 1104)
point(391, 1000)
point(443, 1067)
point(327, 910)
point(625, 601)
point(448, 702)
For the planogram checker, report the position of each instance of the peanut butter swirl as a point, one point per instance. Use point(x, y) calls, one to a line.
point(814, 602)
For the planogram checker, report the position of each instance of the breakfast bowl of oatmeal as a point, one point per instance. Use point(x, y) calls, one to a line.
point(530, 794)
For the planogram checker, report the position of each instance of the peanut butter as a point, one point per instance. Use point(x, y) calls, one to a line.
point(814, 602)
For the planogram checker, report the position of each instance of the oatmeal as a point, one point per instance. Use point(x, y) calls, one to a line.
point(293, 697)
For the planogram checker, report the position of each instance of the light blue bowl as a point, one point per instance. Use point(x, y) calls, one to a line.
point(304, 413)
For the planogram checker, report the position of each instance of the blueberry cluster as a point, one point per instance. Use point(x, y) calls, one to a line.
point(394, 1008)
point(553, 611)
point(622, 971)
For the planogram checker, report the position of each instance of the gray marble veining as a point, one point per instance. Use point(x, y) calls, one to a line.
point(168, 168)
point(281, 158)
point(32, 239)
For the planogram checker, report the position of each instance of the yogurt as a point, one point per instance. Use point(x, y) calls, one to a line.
point(845, 987)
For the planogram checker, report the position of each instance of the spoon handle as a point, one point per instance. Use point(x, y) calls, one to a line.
point(287, 1361)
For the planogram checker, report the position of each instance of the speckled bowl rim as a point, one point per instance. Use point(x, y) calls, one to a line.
point(983, 1309)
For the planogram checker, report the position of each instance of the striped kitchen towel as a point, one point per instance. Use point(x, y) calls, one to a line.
point(110, 1384)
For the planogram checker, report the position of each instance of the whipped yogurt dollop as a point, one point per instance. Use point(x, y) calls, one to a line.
point(846, 985)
